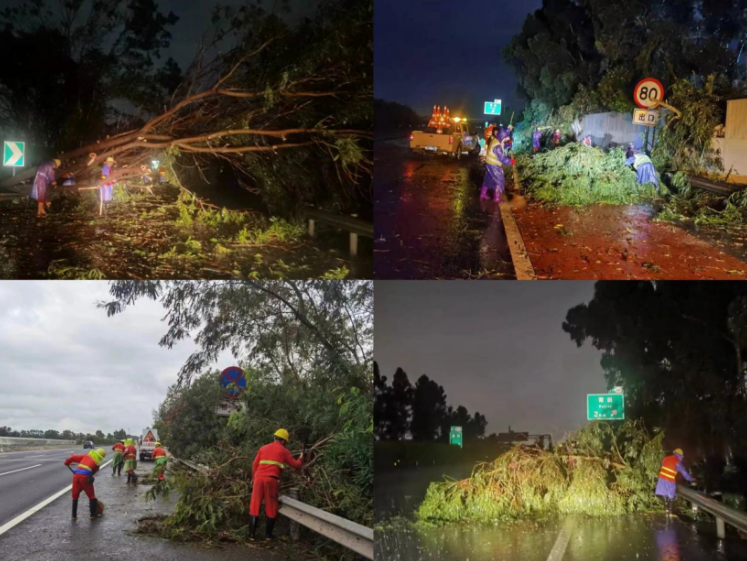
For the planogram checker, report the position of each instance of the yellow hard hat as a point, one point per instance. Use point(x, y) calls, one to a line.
point(282, 433)
point(57, 163)
point(158, 444)
point(98, 455)
point(679, 451)
point(110, 160)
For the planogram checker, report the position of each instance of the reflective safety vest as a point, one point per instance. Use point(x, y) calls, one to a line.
point(641, 159)
point(159, 452)
point(130, 453)
point(668, 470)
point(86, 466)
point(490, 157)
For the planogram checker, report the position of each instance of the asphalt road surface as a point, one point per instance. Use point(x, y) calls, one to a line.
point(28, 479)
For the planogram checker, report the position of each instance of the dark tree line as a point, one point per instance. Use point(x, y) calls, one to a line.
point(420, 412)
point(97, 437)
point(678, 350)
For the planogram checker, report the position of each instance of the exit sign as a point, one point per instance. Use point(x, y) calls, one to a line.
point(455, 436)
point(493, 107)
point(605, 407)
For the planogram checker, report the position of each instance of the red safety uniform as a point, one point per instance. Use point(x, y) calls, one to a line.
point(158, 452)
point(130, 453)
point(267, 468)
point(86, 467)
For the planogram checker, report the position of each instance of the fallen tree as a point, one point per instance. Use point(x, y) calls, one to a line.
point(303, 91)
point(600, 470)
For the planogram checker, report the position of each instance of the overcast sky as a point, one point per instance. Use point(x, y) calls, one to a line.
point(495, 347)
point(65, 365)
point(448, 52)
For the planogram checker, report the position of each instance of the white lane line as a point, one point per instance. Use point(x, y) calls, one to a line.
point(561, 543)
point(17, 470)
point(18, 519)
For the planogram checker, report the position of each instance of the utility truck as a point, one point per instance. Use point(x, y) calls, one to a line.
point(446, 135)
point(148, 443)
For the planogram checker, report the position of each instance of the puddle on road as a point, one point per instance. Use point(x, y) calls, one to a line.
point(430, 222)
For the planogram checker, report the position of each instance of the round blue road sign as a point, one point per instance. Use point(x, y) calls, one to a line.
point(233, 381)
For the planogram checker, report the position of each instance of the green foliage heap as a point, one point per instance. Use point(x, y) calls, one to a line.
point(600, 470)
point(578, 175)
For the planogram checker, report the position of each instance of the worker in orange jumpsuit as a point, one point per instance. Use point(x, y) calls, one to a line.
point(130, 457)
point(267, 468)
point(88, 465)
point(118, 458)
point(159, 456)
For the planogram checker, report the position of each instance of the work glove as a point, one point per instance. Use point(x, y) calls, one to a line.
point(91, 480)
point(513, 162)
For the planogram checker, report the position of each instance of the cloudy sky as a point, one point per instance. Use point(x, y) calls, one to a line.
point(495, 347)
point(65, 365)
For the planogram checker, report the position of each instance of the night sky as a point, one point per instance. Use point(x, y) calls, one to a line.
point(496, 348)
point(446, 52)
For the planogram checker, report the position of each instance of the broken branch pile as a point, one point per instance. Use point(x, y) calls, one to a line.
point(599, 470)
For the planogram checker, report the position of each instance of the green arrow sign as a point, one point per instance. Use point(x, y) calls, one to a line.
point(605, 407)
point(13, 154)
point(492, 107)
point(455, 436)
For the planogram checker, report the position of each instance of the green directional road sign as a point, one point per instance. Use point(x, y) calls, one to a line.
point(605, 407)
point(455, 436)
point(13, 154)
point(493, 107)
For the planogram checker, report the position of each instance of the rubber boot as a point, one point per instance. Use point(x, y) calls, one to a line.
point(119, 470)
point(270, 526)
point(253, 525)
point(75, 509)
point(498, 196)
point(93, 504)
point(484, 194)
point(129, 477)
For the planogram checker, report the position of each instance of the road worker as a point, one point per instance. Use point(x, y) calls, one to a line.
point(118, 458)
point(666, 487)
point(267, 468)
point(68, 180)
point(107, 186)
point(43, 181)
point(509, 144)
point(536, 139)
point(631, 151)
point(159, 455)
point(494, 179)
point(556, 136)
point(644, 167)
point(88, 465)
point(130, 460)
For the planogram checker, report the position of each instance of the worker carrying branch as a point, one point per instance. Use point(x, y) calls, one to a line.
point(87, 466)
point(43, 182)
point(267, 468)
point(159, 455)
point(666, 487)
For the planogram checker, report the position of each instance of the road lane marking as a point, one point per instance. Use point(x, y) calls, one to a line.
point(561, 543)
point(17, 470)
point(18, 519)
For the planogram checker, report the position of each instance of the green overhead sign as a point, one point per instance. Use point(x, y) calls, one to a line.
point(605, 407)
point(455, 436)
point(492, 107)
point(13, 154)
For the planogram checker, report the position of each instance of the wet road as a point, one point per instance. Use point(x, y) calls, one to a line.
point(430, 223)
point(27, 478)
point(51, 535)
point(623, 538)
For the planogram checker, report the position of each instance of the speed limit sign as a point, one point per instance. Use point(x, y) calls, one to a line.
point(648, 93)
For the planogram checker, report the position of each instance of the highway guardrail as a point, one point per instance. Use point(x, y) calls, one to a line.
point(349, 534)
point(722, 513)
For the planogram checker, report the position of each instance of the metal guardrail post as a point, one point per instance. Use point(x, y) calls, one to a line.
point(722, 513)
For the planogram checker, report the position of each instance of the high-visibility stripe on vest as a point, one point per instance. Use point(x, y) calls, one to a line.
point(490, 157)
point(668, 470)
point(85, 466)
point(272, 463)
point(641, 159)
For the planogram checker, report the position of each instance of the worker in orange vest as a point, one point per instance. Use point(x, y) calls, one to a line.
point(159, 455)
point(88, 465)
point(118, 458)
point(267, 468)
point(666, 487)
point(130, 457)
